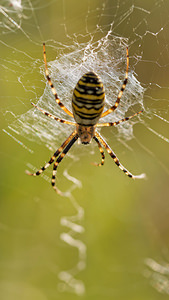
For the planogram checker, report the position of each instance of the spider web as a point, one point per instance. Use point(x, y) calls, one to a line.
point(93, 37)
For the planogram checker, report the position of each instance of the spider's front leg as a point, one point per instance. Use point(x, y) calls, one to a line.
point(101, 151)
point(58, 151)
point(59, 159)
point(116, 160)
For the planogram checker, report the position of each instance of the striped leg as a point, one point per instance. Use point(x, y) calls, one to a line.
point(52, 87)
point(101, 151)
point(116, 160)
point(59, 150)
point(121, 91)
point(53, 117)
point(59, 159)
point(118, 122)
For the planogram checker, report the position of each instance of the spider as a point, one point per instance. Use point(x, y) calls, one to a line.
point(88, 102)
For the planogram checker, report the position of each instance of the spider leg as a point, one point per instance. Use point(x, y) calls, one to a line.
point(58, 151)
point(121, 91)
point(51, 85)
point(118, 122)
point(59, 159)
point(53, 117)
point(116, 160)
point(101, 151)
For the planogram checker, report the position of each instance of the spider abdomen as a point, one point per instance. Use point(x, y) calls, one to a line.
point(88, 99)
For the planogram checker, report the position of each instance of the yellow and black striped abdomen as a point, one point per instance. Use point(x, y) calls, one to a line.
point(88, 99)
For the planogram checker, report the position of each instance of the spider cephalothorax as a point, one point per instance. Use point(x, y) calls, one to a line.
point(85, 133)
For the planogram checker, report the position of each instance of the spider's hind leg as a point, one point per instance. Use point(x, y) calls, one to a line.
point(111, 109)
point(52, 86)
point(53, 117)
point(108, 124)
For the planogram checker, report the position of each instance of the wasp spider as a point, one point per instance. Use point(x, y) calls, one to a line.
point(88, 102)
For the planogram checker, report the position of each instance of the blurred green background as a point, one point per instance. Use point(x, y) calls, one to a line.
point(125, 222)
